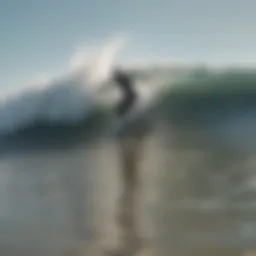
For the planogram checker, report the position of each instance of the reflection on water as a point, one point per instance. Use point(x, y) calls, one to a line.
point(195, 198)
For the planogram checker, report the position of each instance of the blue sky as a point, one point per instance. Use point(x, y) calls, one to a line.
point(39, 36)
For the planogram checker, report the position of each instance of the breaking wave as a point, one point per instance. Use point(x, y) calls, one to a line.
point(67, 99)
point(202, 91)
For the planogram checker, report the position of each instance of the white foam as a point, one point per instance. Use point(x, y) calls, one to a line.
point(68, 98)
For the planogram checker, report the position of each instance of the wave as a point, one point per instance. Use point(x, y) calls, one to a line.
point(67, 99)
point(73, 97)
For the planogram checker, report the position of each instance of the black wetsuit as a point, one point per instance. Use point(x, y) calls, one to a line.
point(129, 96)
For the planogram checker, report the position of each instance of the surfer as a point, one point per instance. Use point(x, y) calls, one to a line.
point(125, 83)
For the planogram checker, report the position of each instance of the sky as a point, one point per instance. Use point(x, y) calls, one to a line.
point(39, 36)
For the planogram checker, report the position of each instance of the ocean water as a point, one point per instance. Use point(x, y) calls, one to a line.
point(60, 168)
